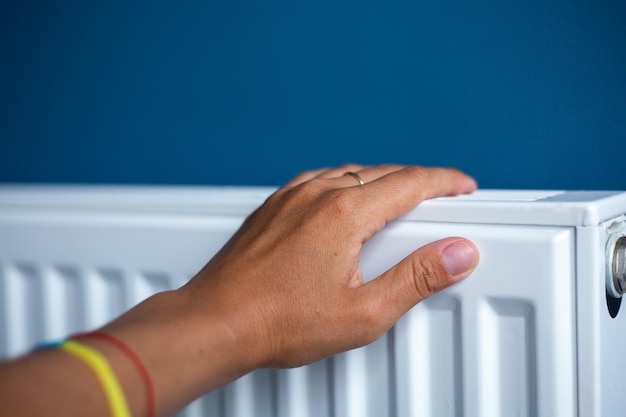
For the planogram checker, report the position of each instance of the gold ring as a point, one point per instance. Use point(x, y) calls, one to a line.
point(355, 175)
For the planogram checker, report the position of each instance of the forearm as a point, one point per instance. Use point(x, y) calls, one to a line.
point(186, 354)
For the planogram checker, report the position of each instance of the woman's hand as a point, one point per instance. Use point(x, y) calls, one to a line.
point(288, 283)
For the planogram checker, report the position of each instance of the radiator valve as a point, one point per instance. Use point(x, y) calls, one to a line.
point(617, 266)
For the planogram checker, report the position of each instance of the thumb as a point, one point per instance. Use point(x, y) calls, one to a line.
point(424, 272)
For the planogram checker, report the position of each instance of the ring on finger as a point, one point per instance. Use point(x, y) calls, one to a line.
point(355, 175)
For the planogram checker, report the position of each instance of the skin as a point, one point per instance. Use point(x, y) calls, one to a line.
point(286, 290)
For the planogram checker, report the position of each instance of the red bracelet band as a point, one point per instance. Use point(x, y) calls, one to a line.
point(143, 371)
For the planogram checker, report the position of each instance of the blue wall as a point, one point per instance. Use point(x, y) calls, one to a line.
point(521, 94)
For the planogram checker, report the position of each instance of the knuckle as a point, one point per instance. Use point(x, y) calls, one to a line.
point(390, 167)
point(350, 167)
point(310, 190)
point(340, 203)
point(291, 200)
point(419, 174)
point(424, 277)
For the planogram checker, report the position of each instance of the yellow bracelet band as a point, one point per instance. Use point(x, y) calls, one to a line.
point(99, 365)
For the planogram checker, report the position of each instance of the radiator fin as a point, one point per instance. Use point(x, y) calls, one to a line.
point(306, 391)
point(68, 301)
point(22, 282)
point(430, 380)
point(113, 291)
point(358, 375)
point(252, 395)
point(508, 358)
point(445, 368)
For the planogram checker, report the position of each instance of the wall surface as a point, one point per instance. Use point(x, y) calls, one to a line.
point(521, 94)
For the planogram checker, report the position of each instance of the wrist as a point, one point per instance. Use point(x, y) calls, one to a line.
point(188, 351)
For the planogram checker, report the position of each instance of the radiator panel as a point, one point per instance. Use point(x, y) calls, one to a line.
point(503, 342)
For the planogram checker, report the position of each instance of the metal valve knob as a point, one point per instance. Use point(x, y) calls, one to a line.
point(618, 266)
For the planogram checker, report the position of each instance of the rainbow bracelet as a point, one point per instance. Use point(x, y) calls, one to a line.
point(100, 366)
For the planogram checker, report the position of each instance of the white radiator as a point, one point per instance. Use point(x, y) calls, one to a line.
point(530, 333)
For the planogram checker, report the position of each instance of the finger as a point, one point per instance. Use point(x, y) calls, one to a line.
point(421, 274)
point(392, 195)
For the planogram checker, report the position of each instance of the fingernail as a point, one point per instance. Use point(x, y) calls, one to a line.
point(459, 259)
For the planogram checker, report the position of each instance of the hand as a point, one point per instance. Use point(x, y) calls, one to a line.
point(288, 283)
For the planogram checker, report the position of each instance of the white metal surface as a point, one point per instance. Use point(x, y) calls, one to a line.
point(528, 334)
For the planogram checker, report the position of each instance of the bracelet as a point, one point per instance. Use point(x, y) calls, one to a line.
point(141, 368)
point(99, 365)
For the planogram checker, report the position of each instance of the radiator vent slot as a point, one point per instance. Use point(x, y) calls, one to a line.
point(509, 358)
point(430, 341)
point(71, 302)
